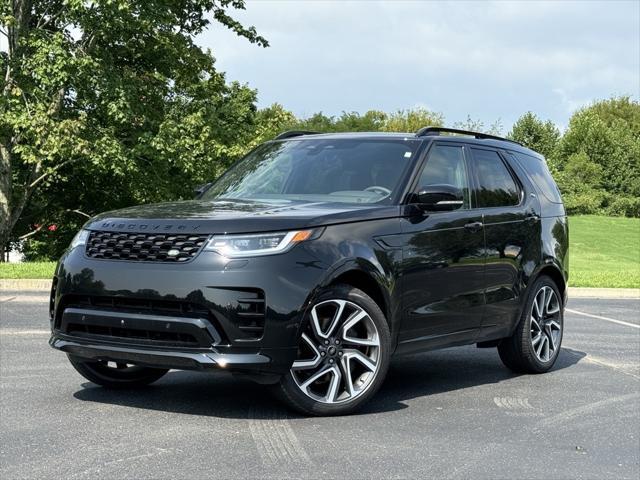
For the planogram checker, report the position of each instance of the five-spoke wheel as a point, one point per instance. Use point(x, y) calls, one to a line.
point(342, 353)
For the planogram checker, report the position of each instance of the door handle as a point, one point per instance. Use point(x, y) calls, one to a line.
point(473, 226)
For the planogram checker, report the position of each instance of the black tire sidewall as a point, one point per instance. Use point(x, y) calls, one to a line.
point(143, 376)
point(294, 397)
point(529, 357)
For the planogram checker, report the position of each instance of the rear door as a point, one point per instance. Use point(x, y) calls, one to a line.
point(509, 210)
point(443, 260)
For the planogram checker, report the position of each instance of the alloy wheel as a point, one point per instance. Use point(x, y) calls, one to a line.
point(546, 325)
point(338, 354)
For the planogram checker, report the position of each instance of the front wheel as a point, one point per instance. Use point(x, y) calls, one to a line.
point(343, 354)
point(535, 344)
point(116, 374)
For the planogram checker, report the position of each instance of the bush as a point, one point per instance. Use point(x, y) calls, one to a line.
point(585, 202)
point(624, 206)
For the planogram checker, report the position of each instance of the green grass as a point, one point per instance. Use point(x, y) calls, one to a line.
point(27, 270)
point(604, 251)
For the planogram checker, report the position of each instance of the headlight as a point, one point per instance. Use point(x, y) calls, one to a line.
point(80, 239)
point(233, 246)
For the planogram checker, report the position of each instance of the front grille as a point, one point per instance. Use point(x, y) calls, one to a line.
point(144, 247)
point(138, 305)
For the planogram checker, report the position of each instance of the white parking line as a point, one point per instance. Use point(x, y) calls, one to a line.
point(620, 322)
point(12, 332)
point(39, 298)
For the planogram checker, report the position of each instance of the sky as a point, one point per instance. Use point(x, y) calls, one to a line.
point(488, 60)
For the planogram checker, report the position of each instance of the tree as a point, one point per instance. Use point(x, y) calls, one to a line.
point(473, 125)
point(114, 95)
point(412, 120)
point(608, 133)
point(580, 181)
point(543, 137)
point(372, 121)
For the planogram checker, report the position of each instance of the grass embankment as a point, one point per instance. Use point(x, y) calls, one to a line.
point(605, 252)
point(27, 270)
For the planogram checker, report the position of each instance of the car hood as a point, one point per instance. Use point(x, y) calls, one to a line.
point(235, 216)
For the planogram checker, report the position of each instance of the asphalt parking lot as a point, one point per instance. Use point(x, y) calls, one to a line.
point(456, 413)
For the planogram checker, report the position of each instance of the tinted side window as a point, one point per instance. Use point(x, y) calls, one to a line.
point(445, 165)
point(540, 175)
point(497, 188)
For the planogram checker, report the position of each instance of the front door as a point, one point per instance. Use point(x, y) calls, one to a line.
point(443, 261)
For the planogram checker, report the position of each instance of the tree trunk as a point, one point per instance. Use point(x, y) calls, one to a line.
point(5, 200)
point(9, 212)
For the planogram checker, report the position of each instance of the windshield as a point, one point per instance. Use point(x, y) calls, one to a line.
point(323, 170)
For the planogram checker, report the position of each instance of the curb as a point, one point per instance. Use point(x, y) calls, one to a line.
point(583, 292)
point(16, 285)
point(44, 285)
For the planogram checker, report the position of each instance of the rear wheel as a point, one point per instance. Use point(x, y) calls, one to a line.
point(116, 374)
point(535, 344)
point(343, 354)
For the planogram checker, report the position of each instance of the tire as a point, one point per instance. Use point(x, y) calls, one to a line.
point(539, 331)
point(357, 346)
point(129, 376)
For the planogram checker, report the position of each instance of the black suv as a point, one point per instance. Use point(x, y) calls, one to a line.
point(317, 257)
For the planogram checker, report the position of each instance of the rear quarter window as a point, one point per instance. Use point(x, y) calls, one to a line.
point(540, 175)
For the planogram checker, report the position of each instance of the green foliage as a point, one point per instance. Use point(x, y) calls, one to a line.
point(412, 120)
point(372, 121)
point(475, 125)
point(580, 182)
point(608, 132)
point(110, 103)
point(625, 207)
point(543, 137)
point(596, 163)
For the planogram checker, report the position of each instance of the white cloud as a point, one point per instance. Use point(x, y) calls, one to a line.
point(486, 59)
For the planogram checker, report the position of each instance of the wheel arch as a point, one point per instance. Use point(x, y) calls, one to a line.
point(554, 272)
point(368, 277)
point(365, 282)
point(550, 270)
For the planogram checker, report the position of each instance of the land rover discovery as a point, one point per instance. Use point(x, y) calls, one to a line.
point(316, 258)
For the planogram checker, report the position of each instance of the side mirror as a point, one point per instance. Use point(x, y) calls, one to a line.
point(438, 198)
point(198, 191)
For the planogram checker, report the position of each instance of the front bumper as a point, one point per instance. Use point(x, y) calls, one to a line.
point(163, 358)
point(204, 301)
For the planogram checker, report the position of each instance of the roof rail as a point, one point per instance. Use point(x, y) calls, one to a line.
point(294, 133)
point(428, 131)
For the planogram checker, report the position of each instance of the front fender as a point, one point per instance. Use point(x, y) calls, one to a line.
point(366, 265)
